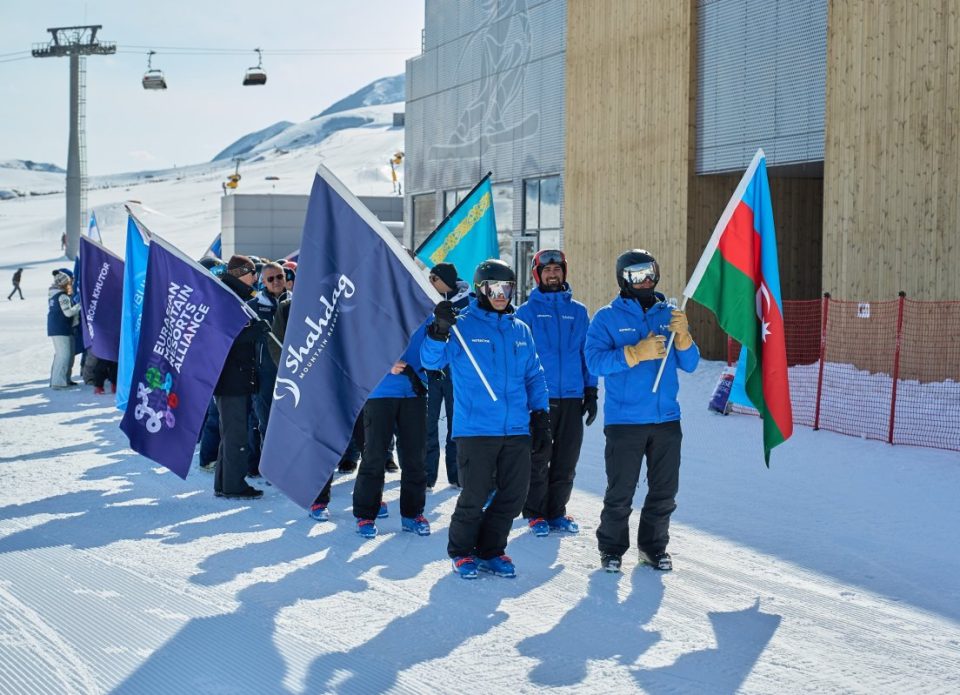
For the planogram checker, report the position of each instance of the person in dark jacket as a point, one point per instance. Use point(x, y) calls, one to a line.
point(238, 381)
point(16, 284)
point(625, 345)
point(494, 441)
point(559, 325)
point(443, 277)
point(62, 317)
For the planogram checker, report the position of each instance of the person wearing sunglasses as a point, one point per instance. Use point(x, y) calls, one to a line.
point(495, 438)
point(559, 325)
point(237, 383)
point(626, 342)
point(445, 280)
point(264, 304)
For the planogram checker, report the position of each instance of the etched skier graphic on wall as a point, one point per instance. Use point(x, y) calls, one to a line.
point(491, 117)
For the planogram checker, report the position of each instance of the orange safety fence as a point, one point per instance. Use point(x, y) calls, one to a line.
point(880, 370)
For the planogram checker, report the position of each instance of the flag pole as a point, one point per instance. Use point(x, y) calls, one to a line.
point(473, 361)
point(663, 362)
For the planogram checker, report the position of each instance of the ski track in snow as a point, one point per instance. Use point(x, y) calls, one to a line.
point(834, 571)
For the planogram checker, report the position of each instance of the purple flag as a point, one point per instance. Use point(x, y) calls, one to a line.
point(189, 322)
point(101, 295)
point(359, 299)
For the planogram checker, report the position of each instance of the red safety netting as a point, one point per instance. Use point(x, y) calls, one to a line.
point(880, 370)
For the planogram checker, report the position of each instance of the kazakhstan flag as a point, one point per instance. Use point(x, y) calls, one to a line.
point(468, 235)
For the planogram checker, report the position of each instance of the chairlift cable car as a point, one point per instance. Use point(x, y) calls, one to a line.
point(153, 78)
point(255, 75)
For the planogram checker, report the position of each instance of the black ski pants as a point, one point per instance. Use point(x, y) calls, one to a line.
point(486, 464)
point(381, 417)
point(103, 371)
point(551, 477)
point(233, 453)
point(627, 446)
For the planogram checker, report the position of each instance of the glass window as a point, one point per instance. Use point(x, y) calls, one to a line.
point(550, 203)
point(531, 204)
point(451, 199)
point(503, 205)
point(424, 217)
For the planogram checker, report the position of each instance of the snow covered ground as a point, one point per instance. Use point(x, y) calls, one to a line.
point(836, 570)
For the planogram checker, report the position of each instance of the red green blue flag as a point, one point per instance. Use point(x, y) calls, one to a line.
point(738, 279)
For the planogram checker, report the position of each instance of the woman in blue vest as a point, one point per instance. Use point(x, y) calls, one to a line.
point(62, 316)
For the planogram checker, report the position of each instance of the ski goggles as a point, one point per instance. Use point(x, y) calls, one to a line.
point(638, 273)
point(498, 289)
point(548, 256)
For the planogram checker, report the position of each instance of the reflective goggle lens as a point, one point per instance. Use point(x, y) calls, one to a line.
point(498, 289)
point(638, 273)
point(550, 256)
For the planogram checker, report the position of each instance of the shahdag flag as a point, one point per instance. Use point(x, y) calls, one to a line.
point(359, 299)
point(101, 292)
point(189, 322)
point(738, 279)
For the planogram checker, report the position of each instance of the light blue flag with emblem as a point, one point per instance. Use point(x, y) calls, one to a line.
point(134, 280)
point(467, 236)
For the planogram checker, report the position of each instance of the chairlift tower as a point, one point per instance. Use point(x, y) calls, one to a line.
point(77, 43)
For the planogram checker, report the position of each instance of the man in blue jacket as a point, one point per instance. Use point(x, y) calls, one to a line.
point(398, 403)
point(494, 440)
point(625, 345)
point(559, 325)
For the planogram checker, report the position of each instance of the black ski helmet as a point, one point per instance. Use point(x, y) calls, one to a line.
point(636, 257)
point(492, 270)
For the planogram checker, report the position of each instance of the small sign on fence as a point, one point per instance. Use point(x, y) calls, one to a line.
point(863, 310)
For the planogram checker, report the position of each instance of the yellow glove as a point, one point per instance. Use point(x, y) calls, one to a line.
point(650, 348)
point(680, 326)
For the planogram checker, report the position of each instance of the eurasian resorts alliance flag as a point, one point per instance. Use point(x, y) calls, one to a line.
point(190, 320)
point(359, 299)
point(467, 236)
point(101, 292)
point(134, 279)
point(738, 279)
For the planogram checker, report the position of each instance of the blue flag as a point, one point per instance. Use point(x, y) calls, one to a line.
point(468, 235)
point(190, 321)
point(359, 300)
point(94, 229)
point(215, 248)
point(134, 278)
point(101, 297)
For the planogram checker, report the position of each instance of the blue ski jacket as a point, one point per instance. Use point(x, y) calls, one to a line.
point(629, 397)
point(559, 326)
point(400, 385)
point(504, 349)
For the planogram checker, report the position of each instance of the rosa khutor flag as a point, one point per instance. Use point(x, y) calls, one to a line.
point(467, 236)
point(359, 300)
point(101, 292)
point(738, 279)
point(189, 323)
point(134, 278)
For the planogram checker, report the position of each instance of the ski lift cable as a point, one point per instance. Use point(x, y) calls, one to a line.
point(200, 50)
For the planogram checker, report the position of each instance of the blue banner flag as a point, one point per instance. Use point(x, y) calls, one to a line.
point(467, 236)
point(190, 321)
point(101, 293)
point(134, 278)
point(94, 229)
point(359, 299)
point(215, 249)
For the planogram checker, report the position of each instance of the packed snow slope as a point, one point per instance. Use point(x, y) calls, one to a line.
point(836, 570)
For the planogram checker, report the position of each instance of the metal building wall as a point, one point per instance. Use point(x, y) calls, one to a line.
point(486, 94)
point(761, 74)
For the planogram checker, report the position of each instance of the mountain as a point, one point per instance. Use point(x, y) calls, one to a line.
point(28, 165)
point(251, 140)
point(386, 90)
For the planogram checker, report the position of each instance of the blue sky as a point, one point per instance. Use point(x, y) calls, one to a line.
point(205, 107)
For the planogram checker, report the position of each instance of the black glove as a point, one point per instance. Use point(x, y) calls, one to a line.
point(540, 431)
point(443, 318)
point(418, 387)
point(589, 404)
point(262, 326)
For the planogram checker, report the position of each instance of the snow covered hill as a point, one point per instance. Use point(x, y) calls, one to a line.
point(387, 90)
point(836, 570)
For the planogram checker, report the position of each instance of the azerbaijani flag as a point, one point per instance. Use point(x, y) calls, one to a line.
point(738, 279)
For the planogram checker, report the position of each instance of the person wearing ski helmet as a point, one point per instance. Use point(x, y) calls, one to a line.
point(559, 326)
point(495, 438)
point(626, 342)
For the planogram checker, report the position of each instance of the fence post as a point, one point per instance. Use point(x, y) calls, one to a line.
point(823, 353)
point(896, 365)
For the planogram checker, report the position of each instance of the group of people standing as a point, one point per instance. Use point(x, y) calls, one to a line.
point(513, 434)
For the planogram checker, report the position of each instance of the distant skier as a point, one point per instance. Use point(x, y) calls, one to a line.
point(16, 285)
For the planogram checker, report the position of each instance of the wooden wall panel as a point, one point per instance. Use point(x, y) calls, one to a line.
point(627, 138)
point(892, 151)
